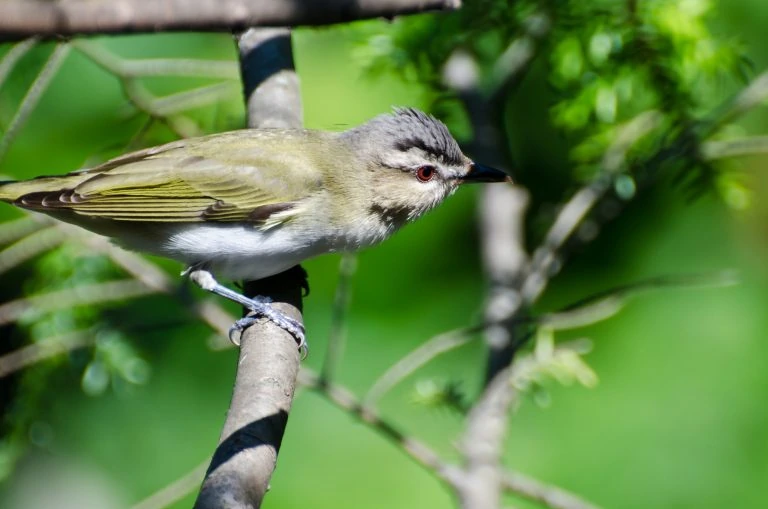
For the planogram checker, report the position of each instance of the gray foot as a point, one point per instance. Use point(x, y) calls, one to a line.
point(280, 319)
point(259, 305)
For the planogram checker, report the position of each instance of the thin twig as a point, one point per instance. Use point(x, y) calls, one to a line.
point(41, 350)
point(143, 100)
point(176, 490)
point(755, 94)
point(83, 295)
point(545, 258)
point(337, 334)
point(511, 481)
point(15, 229)
point(14, 55)
point(753, 145)
point(415, 359)
point(164, 109)
point(129, 68)
point(549, 495)
point(29, 247)
point(33, 95)
point(346, 400)
point(199, 97)
point(605, 304)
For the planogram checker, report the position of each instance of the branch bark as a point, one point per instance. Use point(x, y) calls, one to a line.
point(502, 208)
point(242, 465)
point(23, 18)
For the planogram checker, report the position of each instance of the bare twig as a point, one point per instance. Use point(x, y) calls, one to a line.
point(144, 101)
point(174, 104)
point(96, 293)
point(175, 491)
point(33, 94)
point(545, 259)
point(23, 18)
point(11, 231)
point(243, 463)
point(30, 246)
point(587, 311)
point(346, 400)
point(606, 304)
point(755, 94)
point(164, 109)
point(739, 147)
point(415, 359)
point(41, 350)
point(511, 481)
point(337, 334)
point(128, 68)
point(551, 496)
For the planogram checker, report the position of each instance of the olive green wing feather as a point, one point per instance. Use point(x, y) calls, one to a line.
point(220, 178)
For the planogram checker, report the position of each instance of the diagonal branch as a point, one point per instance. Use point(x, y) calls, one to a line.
point(10, 59)
point(34, 93)
point(415, 359)
point(83, 295)
point(41, 350)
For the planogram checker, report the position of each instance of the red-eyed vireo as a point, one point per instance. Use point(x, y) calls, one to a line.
point(252, 203)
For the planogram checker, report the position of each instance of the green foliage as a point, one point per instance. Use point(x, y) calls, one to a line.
point(111, 359)
point(608, 62)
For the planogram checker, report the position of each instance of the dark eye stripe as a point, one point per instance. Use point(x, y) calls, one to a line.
point(449, 157)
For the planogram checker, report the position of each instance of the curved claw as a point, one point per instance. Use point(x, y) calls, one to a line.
point(295, 328)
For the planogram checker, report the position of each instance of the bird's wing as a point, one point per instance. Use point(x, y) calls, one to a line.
point(183, 182)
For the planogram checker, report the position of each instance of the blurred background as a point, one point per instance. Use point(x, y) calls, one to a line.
point(679, 417)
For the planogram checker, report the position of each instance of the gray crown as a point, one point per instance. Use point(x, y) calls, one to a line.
point(408, 128)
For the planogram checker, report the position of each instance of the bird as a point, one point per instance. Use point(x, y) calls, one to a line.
point(251, 203)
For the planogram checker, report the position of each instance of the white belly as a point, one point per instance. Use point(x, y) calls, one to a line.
point(241, 251)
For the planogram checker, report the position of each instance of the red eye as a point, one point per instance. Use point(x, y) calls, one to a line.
point(425, 173)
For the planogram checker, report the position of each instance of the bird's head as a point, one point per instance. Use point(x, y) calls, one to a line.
point(413, 162)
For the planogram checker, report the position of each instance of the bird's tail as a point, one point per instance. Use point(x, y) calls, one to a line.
point(12, 190)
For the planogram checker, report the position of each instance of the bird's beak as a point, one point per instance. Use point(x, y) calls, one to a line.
point(480, 173)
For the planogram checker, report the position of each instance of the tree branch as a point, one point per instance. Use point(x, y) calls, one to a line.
point(36, 352)
point(502, 208)
point(23, 18)
point(338, 334)
point(82, 295)
point(242, 465)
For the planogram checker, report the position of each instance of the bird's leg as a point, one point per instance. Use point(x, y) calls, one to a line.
point(259, 305)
